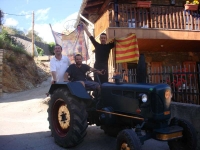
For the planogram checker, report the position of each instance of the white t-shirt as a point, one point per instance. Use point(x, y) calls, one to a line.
point(60, 67)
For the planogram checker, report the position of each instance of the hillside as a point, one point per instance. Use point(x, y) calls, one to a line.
point(21, 72)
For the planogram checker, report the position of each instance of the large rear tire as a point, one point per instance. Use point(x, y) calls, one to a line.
point(189, 139)
point(67, 118)
point(128, 140)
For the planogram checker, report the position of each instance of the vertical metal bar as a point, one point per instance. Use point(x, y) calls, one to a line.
point(135, 74)
point(116, 13)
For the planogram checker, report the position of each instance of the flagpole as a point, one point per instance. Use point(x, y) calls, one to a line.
point(77, 38)
point(53, 34)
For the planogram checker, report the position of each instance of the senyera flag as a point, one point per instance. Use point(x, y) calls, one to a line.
point(127, 49)
point(73, 43)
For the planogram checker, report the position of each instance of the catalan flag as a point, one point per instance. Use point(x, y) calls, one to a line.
point(127, 49)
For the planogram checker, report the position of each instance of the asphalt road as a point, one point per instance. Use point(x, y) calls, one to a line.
point(24, 125)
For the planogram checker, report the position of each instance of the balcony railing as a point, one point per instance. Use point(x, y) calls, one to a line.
point(156, 17)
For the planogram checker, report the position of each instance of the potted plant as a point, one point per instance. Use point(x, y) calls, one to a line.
point(144, 4)
point(192, 5)
point(179, 79)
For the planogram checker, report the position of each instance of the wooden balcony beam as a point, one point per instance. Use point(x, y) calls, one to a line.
point(94, 3)
point(103, 7)
point(92, 10)
point(153, 33)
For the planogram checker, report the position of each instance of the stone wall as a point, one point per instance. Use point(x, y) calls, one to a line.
point(1, 71)
point(190, 113)
point(42, 45)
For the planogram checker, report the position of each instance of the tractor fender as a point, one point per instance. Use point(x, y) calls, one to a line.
point(75, 88)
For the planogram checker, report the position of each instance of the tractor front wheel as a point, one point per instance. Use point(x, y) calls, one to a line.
point(128, 140)
point(67, 118)
point(189, 139)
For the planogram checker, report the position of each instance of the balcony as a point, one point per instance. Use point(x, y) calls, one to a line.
point(155, 17)
point(178, 29)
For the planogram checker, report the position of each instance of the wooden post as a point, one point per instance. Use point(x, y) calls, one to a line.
point(33, 35)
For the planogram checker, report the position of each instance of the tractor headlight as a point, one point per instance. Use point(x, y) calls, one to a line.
point(144, 98)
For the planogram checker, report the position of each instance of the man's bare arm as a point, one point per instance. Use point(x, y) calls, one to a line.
point(53, 73)
point(66, 77)
point(95, 70)
point(86, 30)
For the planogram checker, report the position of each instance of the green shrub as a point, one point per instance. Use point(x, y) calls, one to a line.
point(40, 51)
point(11, 58)
point(51, 47)
point(7, 42)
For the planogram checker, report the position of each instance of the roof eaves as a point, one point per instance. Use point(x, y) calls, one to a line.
point(83, 5)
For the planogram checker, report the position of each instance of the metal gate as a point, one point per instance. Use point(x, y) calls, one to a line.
point(184, 81)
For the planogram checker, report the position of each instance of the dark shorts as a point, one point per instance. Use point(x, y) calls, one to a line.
point(91, 85)
point(102, 78)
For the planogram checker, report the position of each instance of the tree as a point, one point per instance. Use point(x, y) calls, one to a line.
point(36, 36)
point(51, 47)
point(14, 31)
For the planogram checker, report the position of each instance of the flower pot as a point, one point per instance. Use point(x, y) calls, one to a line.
point(191, 7)
point(144, 4)
point(183, 86)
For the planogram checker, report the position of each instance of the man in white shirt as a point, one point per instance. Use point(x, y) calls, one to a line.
point(58, 65)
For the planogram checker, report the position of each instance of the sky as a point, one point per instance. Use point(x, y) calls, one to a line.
point(61, 14)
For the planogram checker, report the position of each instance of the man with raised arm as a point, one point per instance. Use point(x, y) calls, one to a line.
point(102, 51)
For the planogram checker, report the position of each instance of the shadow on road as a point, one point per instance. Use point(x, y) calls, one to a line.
point(44, 140)
point(94, 140)
point(38, 140)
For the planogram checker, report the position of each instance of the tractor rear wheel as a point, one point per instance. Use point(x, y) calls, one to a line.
point(189, 139)
point(67, 118)
point(128, 140)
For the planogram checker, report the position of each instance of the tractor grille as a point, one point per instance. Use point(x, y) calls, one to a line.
point(157, 104)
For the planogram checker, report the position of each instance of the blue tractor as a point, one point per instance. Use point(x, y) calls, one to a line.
point(133, 113)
